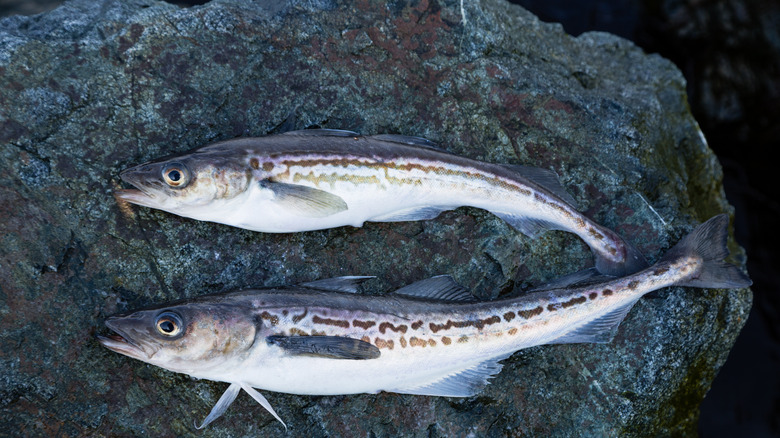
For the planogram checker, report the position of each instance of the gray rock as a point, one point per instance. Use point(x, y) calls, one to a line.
point(94, 87)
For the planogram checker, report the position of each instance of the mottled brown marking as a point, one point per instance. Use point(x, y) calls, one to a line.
point(268, 166)
point(661, 270)
point(593, 295)
point(366, 339)
point(255, 163)
point(365, 325)
point(403, 342)
point(553, 307)
point(273, 319)
point(463, 339)
point(513, 331)
point(381, 343)
point(386, 325)
point(285, 312)
point(330, 321)
point(479, 324)
point(345, 162)
point(297, 318)
point(508, 316)
point(573, 302)
point(297, 332)
point(417, 342)
point(633, 284)
point(580, 222)
point(446, 341)
point(316, 333)
point(416, 325)
point(526, 314)
point(595, 234)
point(606, 292)
point(431, 342)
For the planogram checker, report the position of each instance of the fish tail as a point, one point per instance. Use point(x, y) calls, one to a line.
point(708, 242)
point(632, 260)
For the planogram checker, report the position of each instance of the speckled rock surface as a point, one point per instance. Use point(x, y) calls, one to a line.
point(94, 87)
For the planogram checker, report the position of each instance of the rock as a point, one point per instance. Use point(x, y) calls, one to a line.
point(91, 88)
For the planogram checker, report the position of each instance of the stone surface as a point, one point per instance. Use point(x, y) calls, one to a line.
point(91, 88)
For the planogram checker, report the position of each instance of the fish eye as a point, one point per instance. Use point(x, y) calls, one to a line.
point(169, 324)
point(176, 175)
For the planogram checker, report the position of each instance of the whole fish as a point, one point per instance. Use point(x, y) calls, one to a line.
point(428, 338)
point(317, 179)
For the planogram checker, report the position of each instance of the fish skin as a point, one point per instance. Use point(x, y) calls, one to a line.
point(318, 179)
point(424, 339)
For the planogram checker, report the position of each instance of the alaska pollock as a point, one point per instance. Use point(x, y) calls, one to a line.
point(428, 338)
point(317, 179)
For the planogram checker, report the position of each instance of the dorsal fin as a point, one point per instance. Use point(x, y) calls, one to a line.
point(441, 287)
point(338, 284)
point(409, 140)
point(545, 178)
point(324, 132)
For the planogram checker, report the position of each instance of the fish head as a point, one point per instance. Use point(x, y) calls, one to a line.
point(188, 338)
point(186, 183)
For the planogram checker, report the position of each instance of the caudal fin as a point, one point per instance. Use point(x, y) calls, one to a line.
point(708, 241)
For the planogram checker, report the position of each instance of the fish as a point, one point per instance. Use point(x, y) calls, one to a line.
point(320, 178)
point(429, 338)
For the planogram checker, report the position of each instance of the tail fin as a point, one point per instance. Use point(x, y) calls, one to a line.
point(708, 241)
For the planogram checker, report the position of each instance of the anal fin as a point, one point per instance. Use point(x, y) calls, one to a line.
point(410, 214)
point(601, 330)
point(463, 383)
point(528, 226)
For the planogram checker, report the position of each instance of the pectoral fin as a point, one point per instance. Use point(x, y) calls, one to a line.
point(305, 201)
point(332, 347)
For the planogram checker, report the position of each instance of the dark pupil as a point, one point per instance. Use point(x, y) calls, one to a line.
point(167, 326)
point(174, 175)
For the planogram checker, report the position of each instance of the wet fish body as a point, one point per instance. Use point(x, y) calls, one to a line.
point(318, 179)
point(429, 338)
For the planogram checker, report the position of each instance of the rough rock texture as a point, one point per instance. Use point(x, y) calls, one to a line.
point(91, 88)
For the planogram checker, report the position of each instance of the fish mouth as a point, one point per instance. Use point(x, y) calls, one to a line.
point(138, 197)
point(120, 342)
